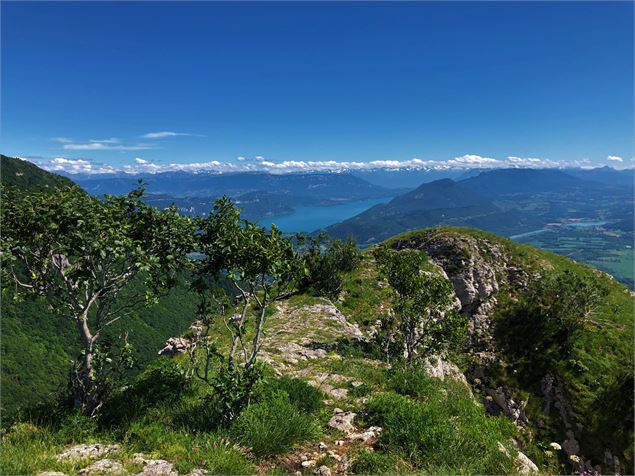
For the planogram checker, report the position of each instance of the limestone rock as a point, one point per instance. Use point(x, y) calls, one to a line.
point(524, 465)
point(343, 421)
point(154, 467)
point(103, 466)
point(323, 471)
point(174, 346)
point(96, 450)
point(439, 368)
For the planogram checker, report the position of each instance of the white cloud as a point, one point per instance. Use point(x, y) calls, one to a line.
point(106, 145)
point(614, 158)
point(260, 164)
point(164, 134)
point(63, 140)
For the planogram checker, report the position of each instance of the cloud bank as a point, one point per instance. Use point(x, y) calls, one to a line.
point(261, 164)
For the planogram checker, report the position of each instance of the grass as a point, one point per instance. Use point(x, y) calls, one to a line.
point(602, 356)
point(274, 426)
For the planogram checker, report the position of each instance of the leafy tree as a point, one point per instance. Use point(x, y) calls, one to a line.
point(423, 322)
point(261, 266)
point(324, 261)
point(551, 313)
point(82, 255)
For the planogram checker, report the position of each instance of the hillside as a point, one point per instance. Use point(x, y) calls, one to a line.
point(587, 220)
point(28, 177)
point(331, 404)
point(181, 184)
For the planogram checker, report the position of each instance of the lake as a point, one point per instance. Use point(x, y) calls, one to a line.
point(308, 219)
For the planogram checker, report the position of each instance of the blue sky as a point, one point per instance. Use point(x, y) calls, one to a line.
point(298, 83)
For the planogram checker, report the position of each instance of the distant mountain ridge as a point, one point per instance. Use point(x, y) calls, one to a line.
point(504, 201)
point(342, 186)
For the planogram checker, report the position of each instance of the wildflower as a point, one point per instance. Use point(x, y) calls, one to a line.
point(548, 454)
point(574, 458)
point(555, 446)
point(489, 397)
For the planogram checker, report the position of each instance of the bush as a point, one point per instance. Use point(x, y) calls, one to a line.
point(273, 426)
point(449, 433)
point(162, 383)
point(303, 396)
point(325, 265)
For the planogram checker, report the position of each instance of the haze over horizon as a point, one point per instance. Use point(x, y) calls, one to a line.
point(150, 87)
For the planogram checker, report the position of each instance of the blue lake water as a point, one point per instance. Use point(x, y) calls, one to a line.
point(308, 219)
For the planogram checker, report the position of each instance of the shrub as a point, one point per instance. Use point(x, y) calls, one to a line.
point(325, 265)
point(273, 426)
point(162, 383)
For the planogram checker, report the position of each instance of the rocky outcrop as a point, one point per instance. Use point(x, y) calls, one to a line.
point(79, 452)
point(478, 270)
point(439, 368)
point(174, 346)
point(103, 466)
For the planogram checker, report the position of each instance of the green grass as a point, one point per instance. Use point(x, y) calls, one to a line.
point(602, 356)
point(274, 426)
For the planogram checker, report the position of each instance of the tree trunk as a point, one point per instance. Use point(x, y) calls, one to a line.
point(85, 390)
point(257, 337)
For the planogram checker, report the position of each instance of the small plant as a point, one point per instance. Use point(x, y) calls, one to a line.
point(273, 426)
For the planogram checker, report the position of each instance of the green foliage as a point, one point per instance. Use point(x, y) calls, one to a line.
point(550, 315)
point(29, 178)
point(162, 383)
point(82, 255)
point(77, 428)
point(303, 396)
point(372, 462)
point(423, 322)
point(446, 434)
point(210, 451)
point(325, 261)
point(273, 426)
point(260, 264)
point(234, 388)
point(413, 383)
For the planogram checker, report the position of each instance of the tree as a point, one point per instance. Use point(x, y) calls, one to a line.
point(423, 322)
point(261, 266)
point(550, 313)
point(325, 261)
point(81, 254)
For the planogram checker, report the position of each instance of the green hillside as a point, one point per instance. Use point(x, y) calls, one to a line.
point(28, 177)
point(430, 421)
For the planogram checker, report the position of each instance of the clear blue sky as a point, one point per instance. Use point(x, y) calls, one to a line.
point(317, 81)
